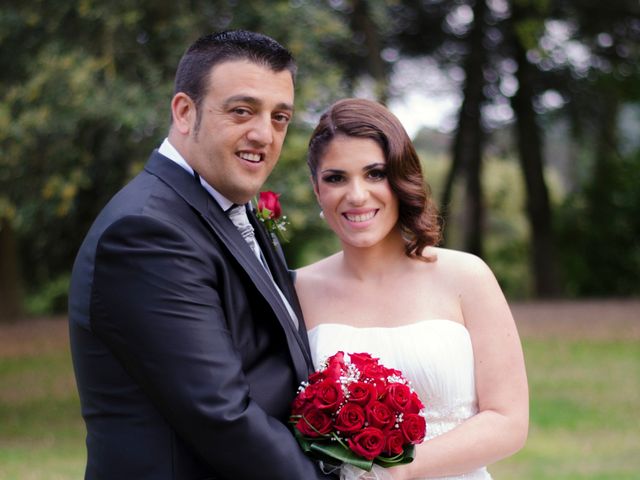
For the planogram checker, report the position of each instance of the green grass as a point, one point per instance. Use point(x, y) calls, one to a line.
point(585, 424)
point(41, 433)
point(584, 412)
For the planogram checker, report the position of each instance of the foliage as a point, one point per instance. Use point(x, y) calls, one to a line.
point(51, 298)
point(600, 232)
point(85, 89)
point(85, 98)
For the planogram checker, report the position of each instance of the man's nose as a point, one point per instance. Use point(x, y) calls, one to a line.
point(261, 131)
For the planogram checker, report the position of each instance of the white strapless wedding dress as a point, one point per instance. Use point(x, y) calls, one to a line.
point(435, 356)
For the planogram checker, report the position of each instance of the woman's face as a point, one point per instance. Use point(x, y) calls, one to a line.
point(354, 193)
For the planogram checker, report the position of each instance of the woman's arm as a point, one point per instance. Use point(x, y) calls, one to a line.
point(501, 425)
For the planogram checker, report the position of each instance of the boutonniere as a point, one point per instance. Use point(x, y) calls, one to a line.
point(269, 212)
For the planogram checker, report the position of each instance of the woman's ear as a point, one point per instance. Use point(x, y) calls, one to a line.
point(315, 189)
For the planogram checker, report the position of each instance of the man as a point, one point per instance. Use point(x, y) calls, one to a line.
point(187, 349)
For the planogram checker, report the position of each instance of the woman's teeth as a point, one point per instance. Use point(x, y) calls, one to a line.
point(361, 217)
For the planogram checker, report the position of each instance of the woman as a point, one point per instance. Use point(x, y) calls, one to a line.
point(436, 314)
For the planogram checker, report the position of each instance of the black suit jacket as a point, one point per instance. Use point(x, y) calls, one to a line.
point(185, 357)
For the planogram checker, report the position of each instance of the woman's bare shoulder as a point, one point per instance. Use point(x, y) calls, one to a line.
point(460, 266)
point(318, 271)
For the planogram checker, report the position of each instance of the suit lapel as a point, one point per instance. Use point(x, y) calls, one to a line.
point(195, 195)
point(276, 262)
point(280, 272)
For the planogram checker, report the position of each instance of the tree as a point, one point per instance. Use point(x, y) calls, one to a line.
point(469, 138)
point(529, 141)
point(598, 223)
point(84, 98)
point(10, 284)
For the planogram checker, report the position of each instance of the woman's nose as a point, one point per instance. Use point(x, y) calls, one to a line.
point(357, 193)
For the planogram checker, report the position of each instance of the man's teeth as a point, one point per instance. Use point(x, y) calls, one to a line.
point(363, 217)
point(251, 157)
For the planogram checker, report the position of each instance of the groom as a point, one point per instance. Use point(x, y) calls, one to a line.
point(187, 339)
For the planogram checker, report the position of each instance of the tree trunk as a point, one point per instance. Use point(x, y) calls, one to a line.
point(10, 282)
point(362, 23)
point(529, 139)
point(469, 139)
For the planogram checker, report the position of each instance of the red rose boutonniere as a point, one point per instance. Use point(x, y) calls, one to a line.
point(269, 212)
point(357, 411)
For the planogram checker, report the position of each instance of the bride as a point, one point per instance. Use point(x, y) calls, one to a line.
point(437, 315)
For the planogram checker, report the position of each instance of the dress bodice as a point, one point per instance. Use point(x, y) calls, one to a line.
point(436, 356)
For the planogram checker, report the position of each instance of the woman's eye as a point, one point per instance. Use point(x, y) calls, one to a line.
point(332, 178)
point(377, 174)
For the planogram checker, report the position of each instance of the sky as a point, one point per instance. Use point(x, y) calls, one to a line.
point(424, 96)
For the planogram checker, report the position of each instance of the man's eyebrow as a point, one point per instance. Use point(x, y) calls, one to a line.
point(255, 102)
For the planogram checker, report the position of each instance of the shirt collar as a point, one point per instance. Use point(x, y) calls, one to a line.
point(172, 154)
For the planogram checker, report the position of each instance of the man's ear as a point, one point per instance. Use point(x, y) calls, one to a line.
point(183, 111)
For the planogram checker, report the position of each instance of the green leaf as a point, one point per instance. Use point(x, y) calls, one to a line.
point(338, 452)
point(405, 457)
point(305, 444)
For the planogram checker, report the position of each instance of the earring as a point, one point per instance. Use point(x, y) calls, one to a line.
point(321, 214)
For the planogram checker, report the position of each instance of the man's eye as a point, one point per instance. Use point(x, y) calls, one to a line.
point(282, 118)
point(241, 111)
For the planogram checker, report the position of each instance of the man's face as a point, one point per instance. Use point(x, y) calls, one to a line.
point(244, 119)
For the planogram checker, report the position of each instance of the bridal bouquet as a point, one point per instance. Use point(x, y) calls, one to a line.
point(356, 411)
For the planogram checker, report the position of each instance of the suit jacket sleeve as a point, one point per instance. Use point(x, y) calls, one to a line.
point(156, 303)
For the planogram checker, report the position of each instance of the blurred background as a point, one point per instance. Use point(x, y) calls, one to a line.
point(525, 113)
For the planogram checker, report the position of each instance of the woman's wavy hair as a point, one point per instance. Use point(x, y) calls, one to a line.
point(352, 117)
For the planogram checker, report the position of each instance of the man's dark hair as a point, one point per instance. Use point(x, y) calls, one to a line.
point(210, 50)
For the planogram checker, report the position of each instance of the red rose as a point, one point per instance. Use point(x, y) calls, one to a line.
point(379, 415)
point(316, 377)
point(415, 405)
point(302, 401)
point(399, 398)
point(314, 423)
point(328, 395)
point(335, 366)
point(373, 370)
point(368, 443)
point(376, 375)
point(350, 418)
point(269, 201)
point(362, 359)
point(413, 428)
point(394, 443)
point(362, 393)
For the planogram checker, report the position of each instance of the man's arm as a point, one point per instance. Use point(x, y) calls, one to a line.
point(156, 304)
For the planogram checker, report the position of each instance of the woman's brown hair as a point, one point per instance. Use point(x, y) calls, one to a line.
point(353, 117)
